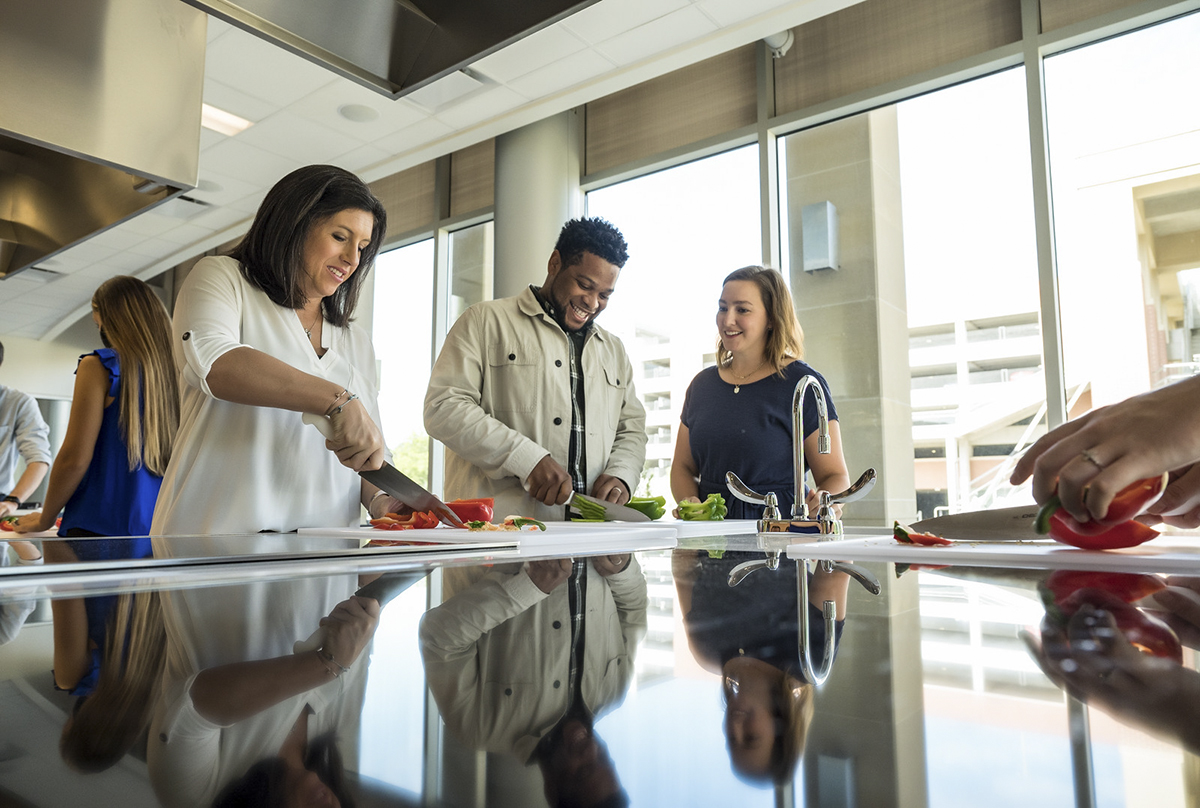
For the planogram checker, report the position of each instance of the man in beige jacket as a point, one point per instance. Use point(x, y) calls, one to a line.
point(532, 399)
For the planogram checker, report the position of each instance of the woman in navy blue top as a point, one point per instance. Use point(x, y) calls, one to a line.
point(738, 415)
point(106, 477)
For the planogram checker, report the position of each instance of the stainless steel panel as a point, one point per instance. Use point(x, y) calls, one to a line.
point(391, 46)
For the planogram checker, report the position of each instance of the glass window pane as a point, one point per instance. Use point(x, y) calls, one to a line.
point(970, 271)
point(403, 337)
point(687, 227)
point(470, 267)
point(1124, 151)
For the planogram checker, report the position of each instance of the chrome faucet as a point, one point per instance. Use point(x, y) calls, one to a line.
point(799, 505)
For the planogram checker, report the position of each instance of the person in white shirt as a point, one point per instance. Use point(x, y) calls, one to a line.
point(262, 336)
point(24, 433)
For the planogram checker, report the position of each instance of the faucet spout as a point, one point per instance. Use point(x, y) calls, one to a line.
point(799, 506)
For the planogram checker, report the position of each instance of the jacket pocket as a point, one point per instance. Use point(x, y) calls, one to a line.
point(514, 380)
point(614, 396)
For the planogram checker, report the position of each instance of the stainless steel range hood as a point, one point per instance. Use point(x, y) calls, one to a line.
point(391, 46)
point(99, 117)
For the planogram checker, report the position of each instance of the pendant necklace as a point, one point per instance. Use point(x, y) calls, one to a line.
point(308, 331)
point(737, 388)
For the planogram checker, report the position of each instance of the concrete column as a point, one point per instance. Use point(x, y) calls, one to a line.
point(855, 317)
point(537, 190)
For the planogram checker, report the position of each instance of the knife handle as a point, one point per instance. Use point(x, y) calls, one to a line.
point(321, 423)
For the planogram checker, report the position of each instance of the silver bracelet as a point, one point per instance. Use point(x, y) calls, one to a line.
point(333, 411)
point(328, 657)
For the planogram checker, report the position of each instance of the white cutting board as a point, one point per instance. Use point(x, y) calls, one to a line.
point(575, 535)
point(1172, 554)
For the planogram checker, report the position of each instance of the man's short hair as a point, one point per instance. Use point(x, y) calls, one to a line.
point(593, 235)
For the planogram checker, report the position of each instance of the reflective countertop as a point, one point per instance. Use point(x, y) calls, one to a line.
point(954, 685)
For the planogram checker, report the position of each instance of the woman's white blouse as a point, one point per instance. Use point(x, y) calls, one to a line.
point(243, 469)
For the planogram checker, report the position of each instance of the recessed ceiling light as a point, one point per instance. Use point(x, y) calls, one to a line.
point(221, 121)
point(359, 113)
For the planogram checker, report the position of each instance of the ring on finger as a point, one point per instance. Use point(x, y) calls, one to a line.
point(1087, 455)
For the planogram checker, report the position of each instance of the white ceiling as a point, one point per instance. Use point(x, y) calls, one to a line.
point(293, 104)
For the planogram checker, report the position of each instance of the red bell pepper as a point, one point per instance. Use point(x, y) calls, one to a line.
point(473, 510)
point(7, 523)
point(418, 520)
point(906, 535)
point(1116, 530)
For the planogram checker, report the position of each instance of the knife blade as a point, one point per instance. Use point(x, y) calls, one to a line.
point(395, 482)
point(382, 589)
point(612, 511)
point(996, 524)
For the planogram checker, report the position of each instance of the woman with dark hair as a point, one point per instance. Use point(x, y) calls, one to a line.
point(737, 416)
point(107, 474)
point(262, 336)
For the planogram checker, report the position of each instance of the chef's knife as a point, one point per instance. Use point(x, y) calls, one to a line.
point(382, 589)
point(998, 524)
point(395, 482)
point(612, 511)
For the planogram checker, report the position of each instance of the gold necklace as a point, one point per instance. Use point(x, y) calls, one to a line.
point(737, 388)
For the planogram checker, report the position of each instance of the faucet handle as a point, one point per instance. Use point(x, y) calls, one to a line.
point(862, 486)
point(743, 492)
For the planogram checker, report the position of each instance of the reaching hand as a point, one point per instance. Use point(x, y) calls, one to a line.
point(608, 565)
point(7, 508)
point(1110, 448)
point(32, 523)
point(609, 489)
point(549, 482)
point(349, 627)
point(356, 441)
point(549, 575)
point(675, 512)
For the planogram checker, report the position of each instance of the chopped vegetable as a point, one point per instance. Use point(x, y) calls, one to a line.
point(1115, 530)
point(1128, 586)
point(711, 509)
point(654, 507)
point(906, 535)
point(590, 511)
point(1144, 632)
point(524, 522)
point(418, 520)
point(1062, 527)
point(7, 523)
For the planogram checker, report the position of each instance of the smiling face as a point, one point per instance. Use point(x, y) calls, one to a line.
point(580, 771)
point(752, 717)
point(579, 292)
point(742, 320)
point(332, 250)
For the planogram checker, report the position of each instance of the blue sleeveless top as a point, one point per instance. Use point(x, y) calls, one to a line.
point(748, 433)
point(111, 500)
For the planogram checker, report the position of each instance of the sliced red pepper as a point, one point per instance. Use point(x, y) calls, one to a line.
point(473, 510)
point(1127, 586)
point(906, 535)
point(418, 520)
point(7, 524)
point(1062, 527)
point(1128, 503)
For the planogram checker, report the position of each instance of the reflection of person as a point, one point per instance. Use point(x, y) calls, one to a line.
point(512, 653)
point(24, 433)
point(738, 415)
point(750, 634)
point(263, 335)
point(234, 695)
point(106, 477)
point(1093, 660)
point(1095, 456)
point(577, 771)
point(529, 391)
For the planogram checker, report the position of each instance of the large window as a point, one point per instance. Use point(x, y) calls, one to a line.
point(971, 280)
point(687, 227)
point(1125, 164)
point(403, 326)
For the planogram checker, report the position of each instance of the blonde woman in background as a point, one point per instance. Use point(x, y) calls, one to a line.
point(738, 415)
point(106, 477)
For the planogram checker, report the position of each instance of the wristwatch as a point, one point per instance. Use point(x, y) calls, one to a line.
point(11, 498)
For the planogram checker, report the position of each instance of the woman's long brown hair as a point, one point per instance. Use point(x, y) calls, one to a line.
point(136, 324)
